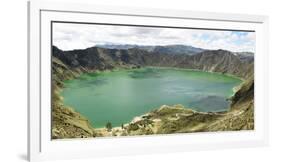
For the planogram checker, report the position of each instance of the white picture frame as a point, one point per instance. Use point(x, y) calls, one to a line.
point(40, 145)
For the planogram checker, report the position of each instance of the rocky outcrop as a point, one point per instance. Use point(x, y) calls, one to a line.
point(67, 123)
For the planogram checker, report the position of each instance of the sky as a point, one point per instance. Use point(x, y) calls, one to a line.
point(69, 36)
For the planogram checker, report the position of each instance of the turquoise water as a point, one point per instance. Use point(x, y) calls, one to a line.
point(119, 96)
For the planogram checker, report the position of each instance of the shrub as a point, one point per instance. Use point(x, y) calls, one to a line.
point(108, 126)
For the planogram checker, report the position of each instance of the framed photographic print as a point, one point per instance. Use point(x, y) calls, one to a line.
point(107, 81)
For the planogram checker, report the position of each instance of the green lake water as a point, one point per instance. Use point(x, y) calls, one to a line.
point(119, 96)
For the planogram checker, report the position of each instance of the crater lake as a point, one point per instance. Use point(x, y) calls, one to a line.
point(120, 95)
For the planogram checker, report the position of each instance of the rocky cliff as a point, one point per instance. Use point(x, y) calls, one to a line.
point(66, 123)
point(95, 58)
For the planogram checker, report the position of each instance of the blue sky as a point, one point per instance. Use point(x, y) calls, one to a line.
point(69, 36)
point(241, 35)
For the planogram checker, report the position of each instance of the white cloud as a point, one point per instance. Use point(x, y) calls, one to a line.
point(68, 36)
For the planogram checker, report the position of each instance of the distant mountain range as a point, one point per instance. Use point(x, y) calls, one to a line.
point(177, 49)
point(168, 49)
point(245, 56)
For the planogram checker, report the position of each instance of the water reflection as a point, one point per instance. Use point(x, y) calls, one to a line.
point(209, 102)
point(145, 73)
